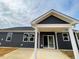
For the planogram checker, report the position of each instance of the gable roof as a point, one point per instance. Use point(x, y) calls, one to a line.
point(19, 28)
point(56, 14)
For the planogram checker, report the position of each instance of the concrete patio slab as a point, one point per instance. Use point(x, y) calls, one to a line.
point(28, 53)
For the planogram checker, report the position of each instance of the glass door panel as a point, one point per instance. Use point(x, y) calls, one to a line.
point(45, 41)
point(51, 41)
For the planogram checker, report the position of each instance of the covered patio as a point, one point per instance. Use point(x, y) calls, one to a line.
point(56, 22)
point(56, 28)
point(50, 34)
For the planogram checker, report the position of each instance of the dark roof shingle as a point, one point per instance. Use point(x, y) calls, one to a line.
point(19, 28)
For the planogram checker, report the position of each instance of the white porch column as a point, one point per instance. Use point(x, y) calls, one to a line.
point(74, 45)
point(39, 40)
point(35, 47)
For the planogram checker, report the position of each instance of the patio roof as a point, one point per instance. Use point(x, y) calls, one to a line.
point(57, 14)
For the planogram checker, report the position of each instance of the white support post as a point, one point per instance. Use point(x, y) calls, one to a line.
point(39, 40)
point(56, 40)
point(35, 47)
point(74, 45)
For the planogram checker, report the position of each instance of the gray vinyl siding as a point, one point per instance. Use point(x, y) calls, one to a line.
point(3, 36)
point(53, 20)
point(17, 40)
point(76, 39)
point(63, 44)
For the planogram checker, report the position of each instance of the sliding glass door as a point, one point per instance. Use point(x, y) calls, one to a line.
point(49, 41)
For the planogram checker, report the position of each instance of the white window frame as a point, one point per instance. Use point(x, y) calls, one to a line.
point(31, 37)
point(9, 35)
point(24, 37)
point(48, 41)
point(66, 36)
point(28, 37)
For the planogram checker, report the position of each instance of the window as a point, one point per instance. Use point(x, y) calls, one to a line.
point(32, 37)
point(65, 37)
point(78, 36)
point(28, 37)
point(9, 37)
point(25, 37)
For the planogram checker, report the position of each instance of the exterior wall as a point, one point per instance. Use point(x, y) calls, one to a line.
point(53, 20)
point(63, 44)
point(17, 40)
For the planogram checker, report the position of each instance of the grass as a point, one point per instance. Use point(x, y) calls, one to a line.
point(4, 51)
point(69, 53)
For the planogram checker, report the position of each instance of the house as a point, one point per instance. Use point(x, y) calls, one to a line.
point(51, 30)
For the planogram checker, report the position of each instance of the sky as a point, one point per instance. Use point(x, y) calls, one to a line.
point(19, 13)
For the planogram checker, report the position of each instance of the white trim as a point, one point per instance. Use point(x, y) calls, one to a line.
point(53, 25)
point(67, 17)
point(9, 34)
point(24, 37)
point(74, 45)
point(48, 41)
point(77, 38)
point(39, 40)
point(35, 47)
point(28, 37)
point(57, 14)
point(16, 30)
point(56, 40)
point(66, 36)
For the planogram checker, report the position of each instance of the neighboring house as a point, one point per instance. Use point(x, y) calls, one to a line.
point(53, 31)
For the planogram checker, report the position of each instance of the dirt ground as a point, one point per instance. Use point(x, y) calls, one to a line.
point(4, 51)
point(69, 53)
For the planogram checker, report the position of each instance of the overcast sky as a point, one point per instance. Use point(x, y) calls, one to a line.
point(14, 13)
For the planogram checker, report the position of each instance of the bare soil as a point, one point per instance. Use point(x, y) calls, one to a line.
point(4, 51)
point(69, 53)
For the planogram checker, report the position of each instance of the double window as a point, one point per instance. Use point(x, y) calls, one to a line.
point(65, 36)
point(9, 37)
point(28, 37)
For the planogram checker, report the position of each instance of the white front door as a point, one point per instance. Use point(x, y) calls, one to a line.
point(49, 41)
